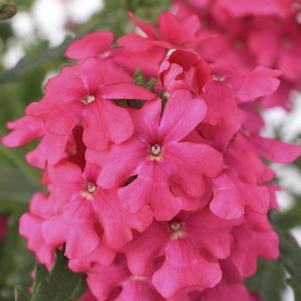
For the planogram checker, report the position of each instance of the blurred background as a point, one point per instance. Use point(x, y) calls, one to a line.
point(31, 50)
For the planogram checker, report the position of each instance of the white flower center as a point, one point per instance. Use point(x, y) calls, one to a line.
point(155, 150)
point(89, 99)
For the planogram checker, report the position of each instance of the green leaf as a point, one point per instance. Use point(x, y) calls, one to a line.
point(288, 219)
point(59, 285)
point(268, 281)
point(291, 259)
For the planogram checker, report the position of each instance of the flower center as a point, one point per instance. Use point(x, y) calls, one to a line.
point(91, 187)
point(89, 99)
point(218, 78)
point(177, 230)
point(155, 150)
point(89, 191)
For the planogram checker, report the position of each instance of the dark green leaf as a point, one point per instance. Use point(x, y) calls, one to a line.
point(59, 285)
point(268, 281)
point(288, 219)
point(291, 258)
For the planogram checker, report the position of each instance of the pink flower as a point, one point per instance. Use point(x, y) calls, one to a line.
point(183, 242)
point(184, 69)
point(238, 195)
point(239, 8)
point(85, 96)
point(92, 45)
point(90, 213)
point(228, 291)
point(276, 151)
point(31, 228)
point(172, 33)
point(26, 129)
point(160, 161)
point(169, 201)
point(253, 239)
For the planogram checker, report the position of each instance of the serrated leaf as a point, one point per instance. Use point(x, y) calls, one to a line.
point(59, 285)
point(268, 281)
point(291, 258)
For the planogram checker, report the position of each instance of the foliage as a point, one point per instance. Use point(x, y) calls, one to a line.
point(60, 284)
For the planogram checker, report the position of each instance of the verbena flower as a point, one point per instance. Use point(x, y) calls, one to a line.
point(155, 191)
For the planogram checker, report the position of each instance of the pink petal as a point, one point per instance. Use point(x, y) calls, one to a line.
point(275, 150)
point(24, 130)
point(260, 82)
point(227, 202)
point(126, 91)
point(59, 118)
point(229, 113)
point(228, 291)
point(138, 290)
point(122, 163)
point(51, 149)
point(75, 227)
point(146, 121)
point(31, 227)
point(103, 279)
point(211, 232)
point(143, 250)
point(117, 223)
point(105, 122)
point(151, 187)
point(97, 73)
point(181, 115)
point(190, 162)
point(100, 255)
point(184, 267)
point(135, 43)
point(148, 61)
point(90, 45)
point(170, 28)
point(147, 28)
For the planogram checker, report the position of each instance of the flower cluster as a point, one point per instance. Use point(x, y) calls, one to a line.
point(251, 33)
point(157, 188)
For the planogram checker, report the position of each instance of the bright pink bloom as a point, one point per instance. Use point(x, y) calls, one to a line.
point(31, 228)
point(161, 163)
point(240, 8)
point(26, 129)
point(238, 195)
point(86, 91)
point(88, 213)
point(253, 239)
point(183, 242)
point(167, 202)
point(184, 69)
point(172, 33)
point(228, 291)
point(276, 151)
point(92, 45)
